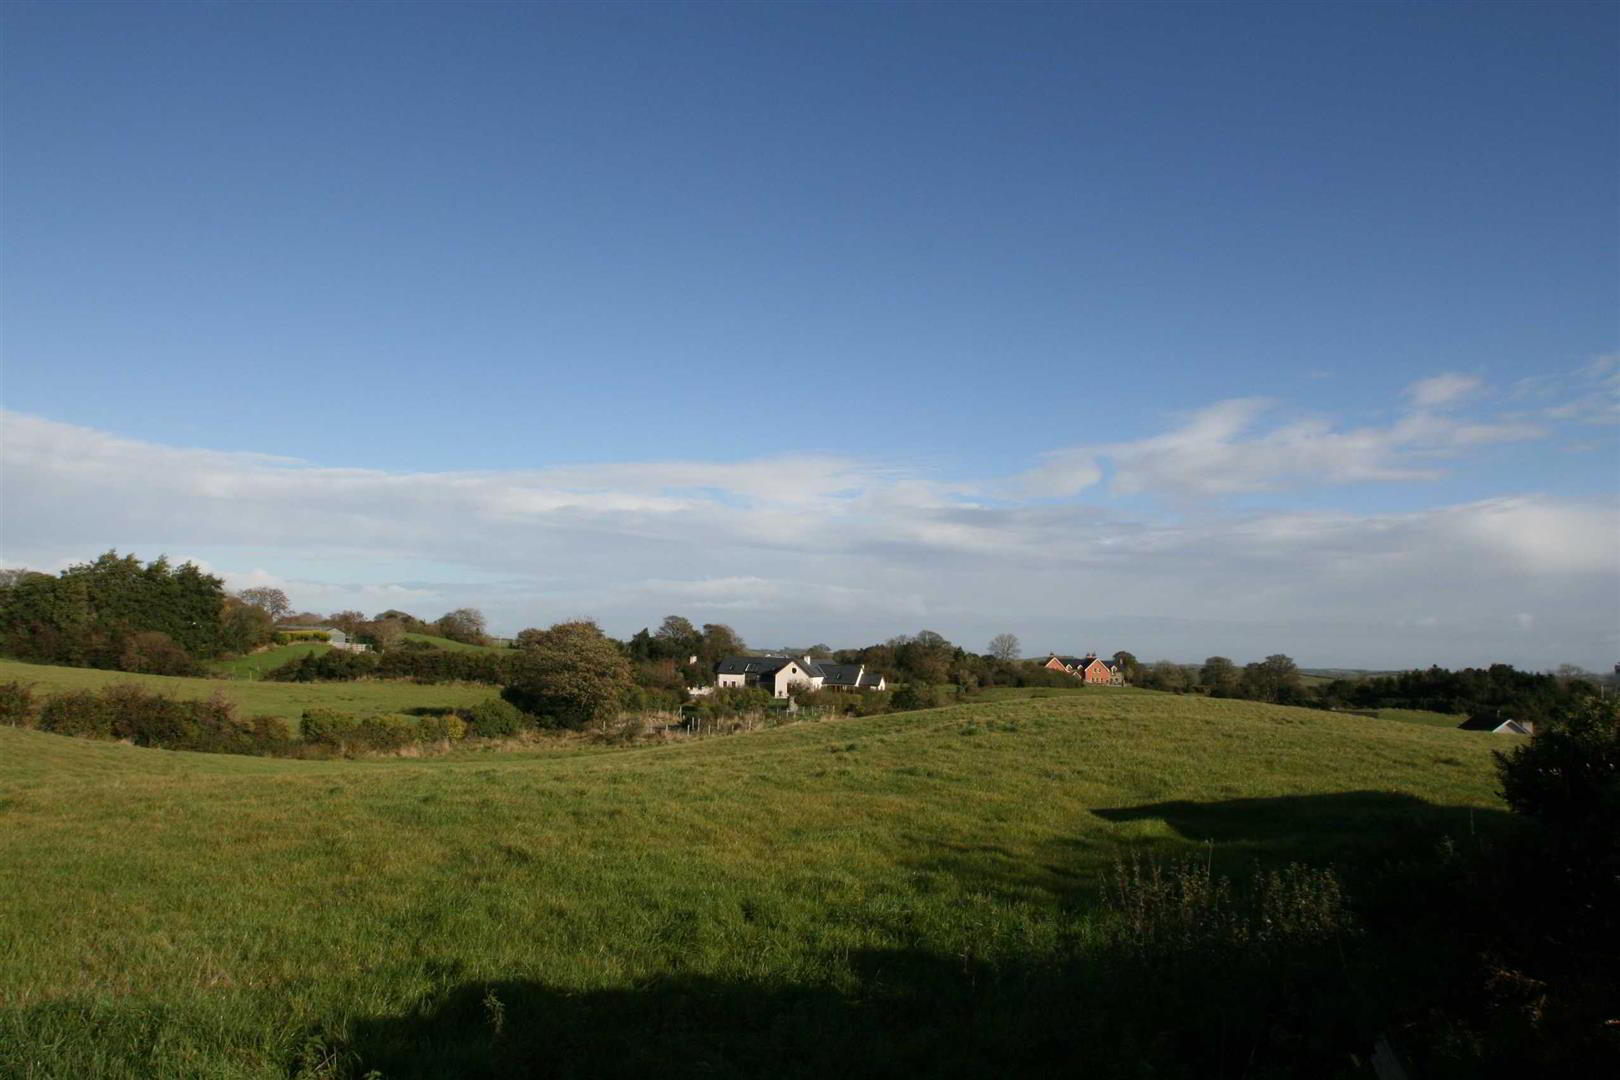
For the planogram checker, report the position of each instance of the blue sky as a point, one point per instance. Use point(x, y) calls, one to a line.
point(971, 260)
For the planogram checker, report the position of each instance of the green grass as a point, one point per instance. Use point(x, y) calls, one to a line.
point(257, 698)
point(254, 665)
point(1421, 716)
point(187, 915)
point(454, 646)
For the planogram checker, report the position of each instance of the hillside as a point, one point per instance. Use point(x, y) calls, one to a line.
point(453, 645)
point(192, 915)
point(254, 697)
point(254, 665)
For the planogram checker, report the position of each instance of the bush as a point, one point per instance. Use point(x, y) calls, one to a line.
point(646, 699)
point(273, 733)
point(17, 704)
point(77, 712)
point(386, 731)
point(331, 728)
point(288, 637)
point(729, 701)
point(495, 718)
point(148, 719)
point(333, 665)
point(153, 652)
point(914, 696)
point(873, 702)
point(1568, 777)
point(450, 728)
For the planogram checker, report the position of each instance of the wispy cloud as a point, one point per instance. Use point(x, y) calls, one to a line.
point(1229, 449)
point(831, 548)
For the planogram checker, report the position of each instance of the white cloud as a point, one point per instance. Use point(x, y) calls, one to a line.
point(1225, 449)
point(827, 548)
point(1439, 390)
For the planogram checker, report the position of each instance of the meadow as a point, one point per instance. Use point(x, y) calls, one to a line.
point(453, 645)
point(871, 896)
point(255, 698)
point(254, 665)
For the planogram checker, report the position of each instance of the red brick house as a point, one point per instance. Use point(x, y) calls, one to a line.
point(1089, 669)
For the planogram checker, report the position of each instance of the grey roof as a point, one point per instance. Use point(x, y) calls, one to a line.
point(756, 665)
point(841, 674)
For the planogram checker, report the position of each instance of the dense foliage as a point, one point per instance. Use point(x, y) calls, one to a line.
point(117, 613)
point(144, 718)
point(424, 665)
point(570, 675)
point(1499, 692)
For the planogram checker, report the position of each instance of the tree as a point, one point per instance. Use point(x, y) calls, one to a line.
point(349, 622)
point(1129, 669)
point(383, 633)
point(570, 675)
point(1005, 647)
point(677, 639)
point(463, 624)
point(719, 642)
point(272, 602)
point(244, 627)
point(1568, 776)
point(1218, 677)
point(1165, 675)
point(1276, 678)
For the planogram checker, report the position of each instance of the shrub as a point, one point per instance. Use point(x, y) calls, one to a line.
point(495, 718)
point(287, 637)
point(335, 665)
point(77, 712)
point(729, 701)
point(148, 719)
point(913, 696)
point(272, 734)
point(386, 731)
point(1568, 777)
point(17, 703)
point(329, 727)
point(152, 652)
point(440, 727)
point(873, 702)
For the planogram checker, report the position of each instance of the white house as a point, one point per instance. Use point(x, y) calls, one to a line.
point(782, 674)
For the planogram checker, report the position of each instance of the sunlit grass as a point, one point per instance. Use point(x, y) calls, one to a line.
point(199, 915)
point(256, 698)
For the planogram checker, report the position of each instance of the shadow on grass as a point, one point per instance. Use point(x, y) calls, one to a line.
point(1341, 827)
point(911, 1013)
point(1314, 827)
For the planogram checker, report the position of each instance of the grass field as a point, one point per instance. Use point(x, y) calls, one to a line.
point(257, 698)
point(804, 891)
point(1421, 716)
point(454, 646)
point(254, 665)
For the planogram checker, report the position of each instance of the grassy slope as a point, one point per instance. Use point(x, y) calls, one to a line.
point(256, 698)
point(1421, 716)
point(254, 665)
point(454, 646)
point(190, 915)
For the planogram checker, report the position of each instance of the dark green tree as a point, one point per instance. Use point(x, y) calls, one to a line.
point(570, 675)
